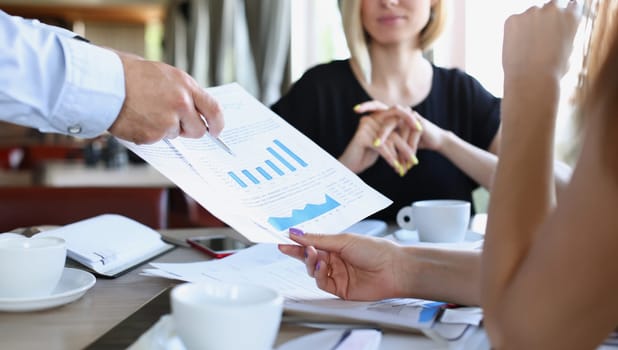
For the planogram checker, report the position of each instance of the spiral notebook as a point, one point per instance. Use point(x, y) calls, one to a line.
point(109, 244)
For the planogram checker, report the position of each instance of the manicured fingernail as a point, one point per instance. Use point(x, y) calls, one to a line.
point(377, 142)
point(306, 255)
point(400, 169)
point(356, 108)
point(409, 165)
point(419, 126)
point(414, 159)
point(296, 231)
point(317, 266)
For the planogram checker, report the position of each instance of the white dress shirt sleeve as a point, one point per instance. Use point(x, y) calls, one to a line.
point(54, 83)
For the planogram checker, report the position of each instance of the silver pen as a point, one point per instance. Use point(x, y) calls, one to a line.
point(221, 144)
point(217, 140)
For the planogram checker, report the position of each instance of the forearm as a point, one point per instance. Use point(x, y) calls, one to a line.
point(481, 165)
point(446, 275)
point(523, 191)
point(477, 163)
point(54, 83)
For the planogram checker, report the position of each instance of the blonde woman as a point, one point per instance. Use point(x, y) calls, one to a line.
point(375, 110)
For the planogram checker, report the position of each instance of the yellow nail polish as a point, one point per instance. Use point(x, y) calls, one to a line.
point(409, 165)
point(377, 142)
point(398, 167)
point(414, 159)
point(356, 108)
point(419, 126)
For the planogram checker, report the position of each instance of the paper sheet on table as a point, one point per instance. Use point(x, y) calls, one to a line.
point(263, 264)
point(276, 179)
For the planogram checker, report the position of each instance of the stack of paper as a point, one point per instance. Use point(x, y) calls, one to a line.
point(263, 264)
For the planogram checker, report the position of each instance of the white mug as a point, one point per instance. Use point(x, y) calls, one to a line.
point(218, 315)
point(439, 220)
point(30, 267)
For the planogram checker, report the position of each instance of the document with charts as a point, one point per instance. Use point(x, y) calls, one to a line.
point(264, 264)
point(275, 179)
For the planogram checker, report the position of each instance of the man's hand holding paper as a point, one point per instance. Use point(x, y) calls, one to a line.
point(276, 179)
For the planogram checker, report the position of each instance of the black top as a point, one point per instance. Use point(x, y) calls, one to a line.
point(320, 104)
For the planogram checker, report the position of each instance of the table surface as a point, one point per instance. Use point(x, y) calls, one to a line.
point(80, 323)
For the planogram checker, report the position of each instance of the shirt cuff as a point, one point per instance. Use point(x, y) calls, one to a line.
point(94, 90)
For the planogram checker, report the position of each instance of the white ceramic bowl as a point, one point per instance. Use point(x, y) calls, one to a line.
point(30, 267)
point(218, 315)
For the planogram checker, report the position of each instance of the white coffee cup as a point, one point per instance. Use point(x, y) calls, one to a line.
point(217, 315)
point(438, 221)
point(30, 267)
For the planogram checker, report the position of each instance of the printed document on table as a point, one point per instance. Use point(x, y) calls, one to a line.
point(263, 264)
point(277, 178)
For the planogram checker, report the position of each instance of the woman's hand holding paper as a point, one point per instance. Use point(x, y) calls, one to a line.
point(350, 266)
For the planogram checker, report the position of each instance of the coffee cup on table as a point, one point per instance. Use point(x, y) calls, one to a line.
point(436, 221)
point(30, 267)
point(218, 315)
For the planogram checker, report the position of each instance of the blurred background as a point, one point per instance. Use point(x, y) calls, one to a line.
point(265, 45)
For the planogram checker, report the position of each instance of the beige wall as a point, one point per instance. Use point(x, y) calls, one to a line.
point(124, 37)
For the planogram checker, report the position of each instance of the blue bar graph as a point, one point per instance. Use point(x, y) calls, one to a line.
point(285, 149)
point(237, 179)
point(310, 211)
point(250, 177)
point(264, 173)
point(281, 159)
point(274, 167)
point(282, 163)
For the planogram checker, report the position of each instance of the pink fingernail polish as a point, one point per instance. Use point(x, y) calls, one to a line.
point(296, 231)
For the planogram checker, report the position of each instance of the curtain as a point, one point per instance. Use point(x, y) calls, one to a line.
point(222, 41)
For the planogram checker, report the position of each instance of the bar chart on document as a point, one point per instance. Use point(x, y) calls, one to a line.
point(277, 178)
point(284, 162)
point(269, 164)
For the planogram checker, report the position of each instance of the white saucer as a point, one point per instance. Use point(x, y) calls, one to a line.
point(162, 336)
point(73, 284)
point(408, 237)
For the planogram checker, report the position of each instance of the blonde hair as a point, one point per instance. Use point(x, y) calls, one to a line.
point(599, 30)
point(600, 17)
point(357, 39)
point(598, 91)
